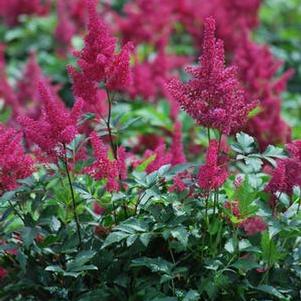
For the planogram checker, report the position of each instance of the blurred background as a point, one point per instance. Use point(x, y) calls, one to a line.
point(38, 37)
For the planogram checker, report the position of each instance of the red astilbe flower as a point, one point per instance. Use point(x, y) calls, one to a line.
point(14, 163)
point(213, 173)
point(177, 149)
point(213, 97)
point(294, 150)
point(103, 168)
point(55, 128)
point(98, 60)
point(287, 173)
point(253, 225)
point(162, 157)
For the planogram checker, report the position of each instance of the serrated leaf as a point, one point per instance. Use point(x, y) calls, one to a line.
point(244, 145)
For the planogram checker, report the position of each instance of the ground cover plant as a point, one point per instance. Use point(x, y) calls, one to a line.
point(149, 150)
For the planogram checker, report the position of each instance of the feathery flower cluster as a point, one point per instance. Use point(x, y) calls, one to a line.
point(14, 163)
point(98, 60)
point(214, 172)
point(162, 157)
point(55, 128)
point(258, 69)
point(103, 167)
point(253, 225)
point(214, 96)
point(287, 173)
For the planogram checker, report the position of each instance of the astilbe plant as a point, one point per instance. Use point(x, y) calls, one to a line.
point(117, 206)
point(214, 96)
point(55, 128)
point(14, 163)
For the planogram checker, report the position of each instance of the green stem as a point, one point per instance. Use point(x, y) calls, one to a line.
point(174, 262)
point(73, 199)
point(113, 145)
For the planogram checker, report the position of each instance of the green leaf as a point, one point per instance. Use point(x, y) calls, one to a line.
point(156, 265)
point(181, 234)
point(54, 268)
point(142, 166)
point(245, 265)
point(270, 254)
point(271, 291)
point(28, 235)
point(113, 238)
point(244, 145)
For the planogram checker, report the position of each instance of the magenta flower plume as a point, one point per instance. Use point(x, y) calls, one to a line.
point(253, 225)
point(98, 60)
point(177, 149)
point(214, 96)
point(287, 173)
point(162, 157)
point(211, 174)
point(103, 168)
point(56, 127)
point(14, 163)
point(294, 149)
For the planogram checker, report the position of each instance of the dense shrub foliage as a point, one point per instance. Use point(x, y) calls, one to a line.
point(144, 154)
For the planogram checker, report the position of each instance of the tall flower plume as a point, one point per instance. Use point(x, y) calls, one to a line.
point(213, 173)
point(287, 173)
point(14, 163)
point(98, 60)
point(55, 128)
point(103, 168)
point(214, 96)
